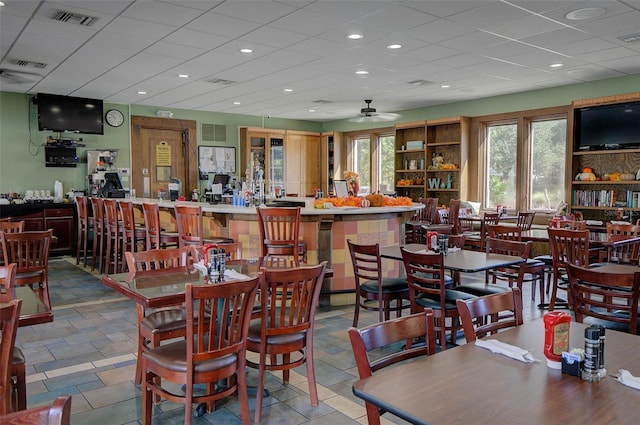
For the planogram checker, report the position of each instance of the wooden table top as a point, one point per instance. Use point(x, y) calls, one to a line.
point(463, 260)
point(33, 311)
point(469, 384)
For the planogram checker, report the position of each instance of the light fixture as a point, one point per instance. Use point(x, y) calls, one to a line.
point(394, 46)
point(142, 92)
point(1, 3)
point(312, 110)
point(236, 103)
point(183, 75)
point(556, 65)
point(246, 50)
point(288, 90)
point(362, 72)
point(445, 86)
point(585, 13)
point(355, 36)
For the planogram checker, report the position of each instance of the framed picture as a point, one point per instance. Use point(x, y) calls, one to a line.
point(340, 188)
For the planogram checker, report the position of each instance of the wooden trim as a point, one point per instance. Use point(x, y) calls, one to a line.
point(618, 98)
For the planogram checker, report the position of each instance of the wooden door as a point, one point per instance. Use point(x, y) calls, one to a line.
point(161, 149)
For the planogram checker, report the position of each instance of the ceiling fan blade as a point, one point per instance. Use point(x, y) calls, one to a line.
point(10, 76)
point(378, 117)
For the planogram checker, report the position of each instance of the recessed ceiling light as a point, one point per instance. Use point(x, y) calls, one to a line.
point(246, 50)
point(355, 36)
point(1, 3)
point(556, 65)
point(183, 75)
point(445, 86)
point(312, 110)
point(362, 72)
point(394, 46)
point(288, 90)
point(236, 103)
point(585, 13)
point(142, 92)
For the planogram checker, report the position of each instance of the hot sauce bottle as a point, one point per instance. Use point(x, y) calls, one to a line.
point(556, 337)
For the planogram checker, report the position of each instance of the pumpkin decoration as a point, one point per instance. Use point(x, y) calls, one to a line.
point(375, 199)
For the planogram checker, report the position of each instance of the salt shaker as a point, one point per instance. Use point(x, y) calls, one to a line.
point(590, 370)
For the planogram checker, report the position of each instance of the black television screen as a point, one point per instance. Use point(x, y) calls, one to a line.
point(607, 127)
point(69, 114)
point(222, 179)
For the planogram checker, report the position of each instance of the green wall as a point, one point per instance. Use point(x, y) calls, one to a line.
point(22, 153)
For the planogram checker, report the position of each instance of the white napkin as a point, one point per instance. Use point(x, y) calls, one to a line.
point(232, 274)
point(200, 267)
point(626, 378)
point(453, 249)
point(508, 350)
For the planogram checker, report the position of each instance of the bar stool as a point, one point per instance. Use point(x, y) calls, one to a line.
point(279, 230)
point(97, 205)
point(133, 235)
point(191, 228)
point(156, 237)
point(85, 223)
point(113, 238)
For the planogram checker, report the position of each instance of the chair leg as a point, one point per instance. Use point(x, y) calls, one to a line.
point(311, 376)
point(147, 406)
point(373, 414)
point(19, 392)
point(260, 388)
point(243, 398)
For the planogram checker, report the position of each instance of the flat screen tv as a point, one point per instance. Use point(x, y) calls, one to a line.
point(69, 114)
point(607, 127)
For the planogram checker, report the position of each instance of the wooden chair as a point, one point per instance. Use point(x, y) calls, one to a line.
point(97, 208)
point(113, 236)
point(9, 317)
point(482, 316)
point(384, 338)
point(374, 292)
point(30, 252)
point(428, 215)
point(156, 236)
point(570, 224)
point(57, 413)
point(525, 219)
point(425, 276)
point(214, 350)
point(190, 227)
point(279, 232)
point(9, 227)
point(284, 333)
point(623, 253)
point(18, 362)
point(567, 247)
point(133, 235)
point(608, 299)
point(488, 219)
point(84, 226)
point(155, 326)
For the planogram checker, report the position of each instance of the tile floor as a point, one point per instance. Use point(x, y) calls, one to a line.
point(89, 349)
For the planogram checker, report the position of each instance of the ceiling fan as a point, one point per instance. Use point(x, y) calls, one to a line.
point(369, 114)
point(13, 76)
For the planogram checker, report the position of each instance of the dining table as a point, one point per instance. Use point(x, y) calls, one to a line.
point(460, 260)
point(470, 384)
point(33, 311)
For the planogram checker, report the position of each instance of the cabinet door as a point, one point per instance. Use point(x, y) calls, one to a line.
point(302, 168)
point(310, 163)
point(63, 231)
point(32, 222)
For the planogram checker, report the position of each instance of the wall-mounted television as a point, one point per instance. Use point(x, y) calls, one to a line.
point(607, 127)
point(69, 114)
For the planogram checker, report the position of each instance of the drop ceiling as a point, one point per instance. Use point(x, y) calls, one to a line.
point(114, 49)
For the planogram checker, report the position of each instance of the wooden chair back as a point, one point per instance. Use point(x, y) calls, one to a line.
point(190, 224)
point(511, 275)
point(454, 215)
point(279, 231)
point(488, 219)
point(570, 224)
point(7, 283)
point(111, 216)
point(525, 219)
point(610, 299)
point(487, 314)
point(157, 259)
point(627, 252)
point(502, 231)
point(11, 226)
point(567, 247)
point(97, 208)
point(131, 234)
point(30, 252)
point(57, 413)
point(151, 213)
point(457, 241)
point(9, 316)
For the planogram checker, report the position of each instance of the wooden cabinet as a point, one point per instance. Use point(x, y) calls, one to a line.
point(331, 152)
point(438, 168)
point(59, 217)
point(302, 171)
point(266, 146)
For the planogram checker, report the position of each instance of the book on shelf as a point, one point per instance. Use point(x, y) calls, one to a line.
point(606, 198)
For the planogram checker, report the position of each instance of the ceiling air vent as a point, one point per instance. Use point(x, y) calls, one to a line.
point(28, 64)
point(630, 38)
point(74, 18)
point(220, 81)
point(420, 82)
point(214, 133)
point(321, 102)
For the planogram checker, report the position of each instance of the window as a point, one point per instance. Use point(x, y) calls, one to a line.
point(371, 155)
point(524, 162)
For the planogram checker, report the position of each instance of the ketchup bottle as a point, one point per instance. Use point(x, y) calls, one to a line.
point(556, 337)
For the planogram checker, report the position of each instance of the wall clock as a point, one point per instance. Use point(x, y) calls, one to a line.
point(114, 118)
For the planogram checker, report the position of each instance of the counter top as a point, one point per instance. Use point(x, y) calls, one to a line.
point(27, 208)
point(308, 210)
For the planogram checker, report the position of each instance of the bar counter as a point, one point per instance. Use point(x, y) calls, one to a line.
point(325, 232)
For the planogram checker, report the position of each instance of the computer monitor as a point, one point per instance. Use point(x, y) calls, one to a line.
point(222, 179)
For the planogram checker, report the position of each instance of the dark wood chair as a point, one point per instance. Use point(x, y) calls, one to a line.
point(428, 215)
point(18, 362)
point(394, 339)
point(8, 226)
point(30, 252)
point(622, 253)
point(607, 299)
point(156, 236)
point(57, 413)
point(283, 336)
point(155, 326)
point(279, 232)
point(113, 235)
point(214, 350)
point(133, 235)
point(97, 209)
point(525, 219)
point(374, 292)
point(191, 228)
point(488, 219)
point(487, 314)
point(567, 247)
point(84, 226)
point(425, 276)
point(9, 317)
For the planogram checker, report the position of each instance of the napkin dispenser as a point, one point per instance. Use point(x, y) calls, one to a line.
point(572, 362)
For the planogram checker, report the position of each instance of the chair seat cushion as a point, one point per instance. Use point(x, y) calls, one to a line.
point(254, 336)
point(174, 358)
point(165, 320)
point(433, 301)
point(18, 356)
point(389, 285)
point(480, 289)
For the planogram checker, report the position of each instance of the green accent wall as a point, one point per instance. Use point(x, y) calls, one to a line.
point(22, 152)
